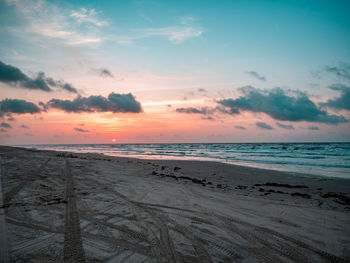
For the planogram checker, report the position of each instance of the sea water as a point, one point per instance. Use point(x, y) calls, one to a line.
point(324, 159)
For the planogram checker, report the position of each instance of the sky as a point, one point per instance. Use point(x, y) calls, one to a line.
point(174, 71)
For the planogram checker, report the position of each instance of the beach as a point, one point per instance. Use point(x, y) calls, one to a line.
point(88, 207)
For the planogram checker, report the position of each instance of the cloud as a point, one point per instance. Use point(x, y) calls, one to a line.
point(240, 127)
point(102, 72)
point(342, 71)
point(175, 34)
point(58, 84)
point(28, 134)
point(256, 75)
point(24, 126)
point(342, 102)
point(5, 125)
point(185, 20)
point(208, 118)
point(46, 21)
point(204, 110)
point(43, 105)
point(3, 130)
point(264, 125)
point(88, 16)
point(10, 74)
point(202, 90)
point(313, 128)
point(80, 130)
point(18, 106)
point(285, 126)
point(114, 103)
point(14, 77)
point(280, 105)
point(190, 110)
point(145, 17)
point(10, 117)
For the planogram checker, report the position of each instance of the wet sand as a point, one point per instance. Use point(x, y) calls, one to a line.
point(71, 207)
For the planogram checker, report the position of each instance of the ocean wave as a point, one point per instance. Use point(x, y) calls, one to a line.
point(329, 159)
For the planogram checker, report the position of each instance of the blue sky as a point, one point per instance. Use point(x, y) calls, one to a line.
point(164, 52)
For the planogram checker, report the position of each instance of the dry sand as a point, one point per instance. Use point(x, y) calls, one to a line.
point(64, 207)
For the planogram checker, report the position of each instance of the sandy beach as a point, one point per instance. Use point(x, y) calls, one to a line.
point(68, 207)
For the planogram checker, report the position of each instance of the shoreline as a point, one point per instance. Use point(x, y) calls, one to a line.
point(168, 210)
point(208, 159)
point(326, 192)
point(274, 171)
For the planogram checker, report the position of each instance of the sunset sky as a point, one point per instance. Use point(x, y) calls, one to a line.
point(174, 71)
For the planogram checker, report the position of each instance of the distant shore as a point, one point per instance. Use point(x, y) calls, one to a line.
point(168, 210)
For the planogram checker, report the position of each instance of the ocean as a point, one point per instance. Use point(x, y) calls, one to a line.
point(324, 159)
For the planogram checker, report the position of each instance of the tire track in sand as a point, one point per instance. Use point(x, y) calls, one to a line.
point(4, 250)
point(167, 250)
point(73, 249)
point(27, 181)
point(162, 249)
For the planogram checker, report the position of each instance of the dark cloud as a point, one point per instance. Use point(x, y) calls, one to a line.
point(24, 126)
point(60, 84)
point(313, 128)
point(264, 125)
point(342, 102)
point(10, 74)
point(114, 103)
point(342, 71)
point(280, 106)
point(10, 117)
point(43, 105)
point(205, 110)
point(18, 106)
point(16, 78)
point(39, 82)
point(106, 73)
point(3, 130)
point(208, 118)
point(285, 126)
point(7, 115)
point(28, 134)
point(103, 72)
point(190, 110)
point(256, 75)
point(81, 130)
point(240, 127)
point(202, 90)
point(5, 125)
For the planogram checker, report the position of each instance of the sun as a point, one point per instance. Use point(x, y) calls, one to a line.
point(113, 140)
